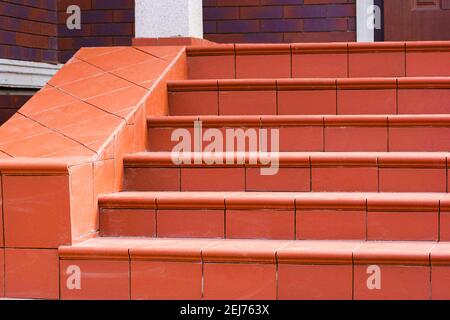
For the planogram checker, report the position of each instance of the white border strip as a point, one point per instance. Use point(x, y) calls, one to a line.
point(363, 32)
point(26, 74)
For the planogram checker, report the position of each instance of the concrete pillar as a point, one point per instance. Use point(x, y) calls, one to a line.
point(169, 18)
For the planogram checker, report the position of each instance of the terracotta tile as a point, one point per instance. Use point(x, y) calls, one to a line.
point(193, 103)
point(256, 66)
point(74, 71)
point(152, 179)
point(225, 179)
point(68, 115)
point(389, 226)
point(417, 101)
point(100, 280)
point(344, 139)
point(444, 221)
point(287, 179)
point(419, 139)
point(350, 179)
point(18, 127)
point(247, 103)
point(123, 144)
point(260, 224)
point(225, 281)
point(103, 177)
point(331, 224)
point(423, 64)
point(298, 139)
point(144, 73)
point(96, 86)
point(211, 67)
point(38, 206)
point(162, 52)
point(307, 102)
point(159, 139)
point(377, 64)
point(125, 57)
point(163, 280)
point(119, 101)
point(46, 100)
point(127, 223)
point(367, 101)
point(2, 239)
point(314, 282)
point(86, 53)
point(191, 223)
point(413, 180)
point(397, 283)
point(328, 65)
point(31, 273)
point(440, 277)
point(2, 272)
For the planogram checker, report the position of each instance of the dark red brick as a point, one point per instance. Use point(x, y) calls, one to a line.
point(269, 12)
point(221, 13)
point(305, 11)
point(287, 25)
point(239, 26)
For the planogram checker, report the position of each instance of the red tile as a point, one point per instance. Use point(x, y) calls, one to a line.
point(345, 139)
point(260, 224)
point(125, 57)
point(191, 223)
point(31, 273)
point(314, 282)
point(212, 179)
point(164, 280)
point(390, 226)
point(331, 224)
point(413, 180)
point(440, 278)
point(36, 211)
point(193, 103)
point(99, 280)
point(307, 102)
point(287, 179)
point(397, 283)
point(248, 102)
point(301, 139)
point(263, 66)
point(349, 179)
point(159, 139)
point(327, 65)
point(422, 64)
point(211, 67)
point(418, 101)
point(2, 272)
point(152, 179)
point(2, 239)
point(419, 139)
point(127, 223)
point(73, 72)
point(444, 224)
point(367, 101)
point(241, 281)
point(376, 64)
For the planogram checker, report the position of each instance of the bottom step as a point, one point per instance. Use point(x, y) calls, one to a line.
point(191, 269)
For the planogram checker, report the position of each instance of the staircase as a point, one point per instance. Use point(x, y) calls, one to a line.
point(358, 208)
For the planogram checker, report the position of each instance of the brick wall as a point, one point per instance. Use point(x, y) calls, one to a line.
point(10, 103)
point(35, 30)
point(279, 20)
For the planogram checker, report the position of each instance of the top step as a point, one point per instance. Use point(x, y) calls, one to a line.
point(319, 60)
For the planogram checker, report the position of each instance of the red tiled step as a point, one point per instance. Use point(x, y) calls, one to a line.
point(318, 60)
point(304, 172)
point(316, 133)
point(310, 96)
point(275, 215)
point(255, 269)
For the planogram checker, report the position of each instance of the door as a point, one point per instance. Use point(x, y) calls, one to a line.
point(416, 20)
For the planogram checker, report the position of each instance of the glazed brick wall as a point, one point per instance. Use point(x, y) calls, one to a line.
point(10, 103)
point(35, 30)
point(278, 21)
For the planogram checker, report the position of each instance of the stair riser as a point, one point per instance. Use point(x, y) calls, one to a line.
point(263, 281)
point(315, 179)
point(329, 139)
point(310, 102)
point(300, 224)
point(319, 65)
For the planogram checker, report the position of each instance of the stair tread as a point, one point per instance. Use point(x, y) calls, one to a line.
point(267, 251)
